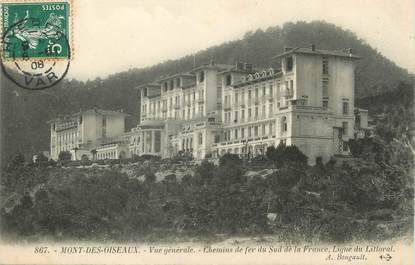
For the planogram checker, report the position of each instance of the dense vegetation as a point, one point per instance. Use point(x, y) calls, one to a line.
point(24, 113)
point(368, 197)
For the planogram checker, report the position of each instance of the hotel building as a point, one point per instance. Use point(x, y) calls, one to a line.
point(216, 109)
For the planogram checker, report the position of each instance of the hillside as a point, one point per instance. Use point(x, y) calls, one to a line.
point(23, 113)
point(366, 198)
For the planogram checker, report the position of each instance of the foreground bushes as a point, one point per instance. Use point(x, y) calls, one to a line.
point(358, 200)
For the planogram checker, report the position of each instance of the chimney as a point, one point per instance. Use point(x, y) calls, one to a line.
point(248, 67)
point(287, 49)
point(212, 62)
point(313, 47)
point(349, 50)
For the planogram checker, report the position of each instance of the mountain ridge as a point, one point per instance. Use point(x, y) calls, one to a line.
point(23, 112)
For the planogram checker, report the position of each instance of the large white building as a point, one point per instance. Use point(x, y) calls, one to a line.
point(215, 109)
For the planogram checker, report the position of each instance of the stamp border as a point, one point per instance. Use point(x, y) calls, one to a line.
point(70, 25)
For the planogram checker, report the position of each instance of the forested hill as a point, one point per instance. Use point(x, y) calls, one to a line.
point(23, 127)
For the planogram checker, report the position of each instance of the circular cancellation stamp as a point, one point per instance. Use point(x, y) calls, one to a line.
point(35, 50)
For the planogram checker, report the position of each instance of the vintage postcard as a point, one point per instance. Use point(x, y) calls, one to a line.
point(207, 132)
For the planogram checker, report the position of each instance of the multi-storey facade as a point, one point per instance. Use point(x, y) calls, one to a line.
point(215, 109)
point(85, 131)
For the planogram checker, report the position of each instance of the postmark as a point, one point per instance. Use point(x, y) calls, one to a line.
point(36, 50)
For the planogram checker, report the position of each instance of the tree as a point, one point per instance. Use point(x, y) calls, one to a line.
point(41, 158)
point(150, 178)
point(16, 162)
point(286, 155)
point(228, 159)
point(64, 156)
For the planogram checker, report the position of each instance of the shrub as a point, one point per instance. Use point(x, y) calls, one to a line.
point(64, 156)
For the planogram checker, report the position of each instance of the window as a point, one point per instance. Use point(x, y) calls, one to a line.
point(256, 131)
point(236, 133)
point(242, 132)
point(157, 141)
point(325, 104)
point(284, 126)
point(171, 84)
point(263, 129)
point(325, 66)
point(345, 148)
point(263, 112)
point(256, 112)
point(325, 87)
point(249, 114)
point(345, 127)
point(289, 64)
point(358, 121)
point(249, 131)
point(228, 80)
point(271, 110)
point(345, 107)
point(217, 138)
point(178, 83)
point(236, 97)
point(271, 90)
point(271, 128)
point(201, 76)
point(242, 115)
point(200, 138)
point(264, 90)
point(235, 117)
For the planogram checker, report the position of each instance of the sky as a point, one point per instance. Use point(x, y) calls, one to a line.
point(114, 36)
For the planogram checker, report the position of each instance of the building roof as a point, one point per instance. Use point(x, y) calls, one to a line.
point(212, 65)
point(147, 85)
point(184, 74)
point(102, 112)
point(89, 111)
point(243, 71)
point(313, 51)
point(269, 74)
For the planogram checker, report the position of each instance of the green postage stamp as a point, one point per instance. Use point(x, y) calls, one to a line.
point(36, 30)
point(36, 49)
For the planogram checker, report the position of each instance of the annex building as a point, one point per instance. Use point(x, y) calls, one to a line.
point(89, 134)
point(216, 109)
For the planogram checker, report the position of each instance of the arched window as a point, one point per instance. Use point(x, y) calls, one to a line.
point(256, 75)
point(284, 125)
point(270, 71)
point(249, 77)
point(264, 73)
